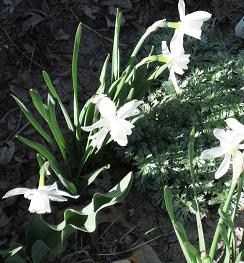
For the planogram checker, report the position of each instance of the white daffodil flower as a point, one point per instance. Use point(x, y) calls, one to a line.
point(112, 121)
point(176, 58)
point(40, 198)
point(191, 24)
point(229, 147)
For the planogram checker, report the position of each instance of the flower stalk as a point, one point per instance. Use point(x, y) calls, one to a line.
point(217, 231)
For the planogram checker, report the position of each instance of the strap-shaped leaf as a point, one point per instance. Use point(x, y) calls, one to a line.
point(239, 257)
point(32, 120)
point(38, 103)
point(89, 178)
point(226, 219)
point(116, 53)
point(74, 73)
point(168, 202)
point(224, 234)
point(83, 219)
point(53, 124)
point(102, 78)
point(56, 96)
point(52, 162)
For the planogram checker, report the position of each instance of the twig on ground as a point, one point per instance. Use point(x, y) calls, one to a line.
point(19, 50)
point(94, 31)
point(128, 250)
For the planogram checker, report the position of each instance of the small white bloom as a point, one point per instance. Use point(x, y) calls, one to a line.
point(113, 122)
point(229, 147)
point(40, 198)
point(191, 24)
point(177, 60)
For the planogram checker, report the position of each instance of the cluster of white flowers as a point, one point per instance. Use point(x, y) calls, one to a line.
point(189, 25)
point(230, 146)
point(114, 121)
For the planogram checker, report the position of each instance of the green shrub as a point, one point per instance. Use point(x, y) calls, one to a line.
point(211, 92)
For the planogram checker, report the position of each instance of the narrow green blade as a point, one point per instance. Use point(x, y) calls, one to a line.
point(74, 75)
point(32, 120)
point(56, 96)
point(116, 53)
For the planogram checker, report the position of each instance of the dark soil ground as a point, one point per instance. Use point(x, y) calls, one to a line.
point(37, 35)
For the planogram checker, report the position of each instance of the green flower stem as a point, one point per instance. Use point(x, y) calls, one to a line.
point(202, 245)
point(41, 180)
point(217, 231)
point(175, 25)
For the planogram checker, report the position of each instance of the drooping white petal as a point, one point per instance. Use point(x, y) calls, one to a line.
point(95, 125)
point(129, 109)
point(220, 134)
point(176, 43)
point(17, 191)
point(198, 16)
point(164, 47)
point(235, 124)
point(48, 188)
point(61, 193)
point(224, 166)
point(106, 107)
point(181, 8)
point(98, 138)
point(212, 153)
point(240, 146)
point(237, 166)
point(172, 77)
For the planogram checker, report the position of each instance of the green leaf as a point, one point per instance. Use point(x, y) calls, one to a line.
point(74, 73)
point(102, 78)
point(168, 202)
point(89, 178)
point(116, 53)
point(226, 219)
point(239, 257)
point(40, 160)
point(83, 219)
point(39, 148)
point(188, 250)
point(223, 232)
point(56, 96)
point(38, 251)
point(52, 162)
point(37, 101)
point(32, 120)
point(53, 124)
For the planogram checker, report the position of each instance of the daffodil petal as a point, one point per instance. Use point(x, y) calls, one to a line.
point(181, 8)
point(18, 191)
point(98, 138)
point(224, 166)
point(235, 124)
point(220, 134)
point(237, 166)
point(95, 125)
point(129, 109)
point(198, 16)
point(106, 107)
point(172, 77)
point(212, 153)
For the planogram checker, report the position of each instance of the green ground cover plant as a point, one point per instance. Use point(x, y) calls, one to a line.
point(211, 92)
